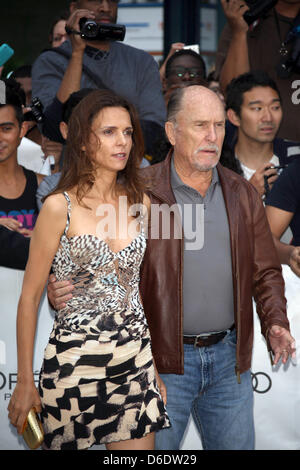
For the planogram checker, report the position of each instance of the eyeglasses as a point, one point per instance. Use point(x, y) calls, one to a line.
point(101, 1)
point(181, 71)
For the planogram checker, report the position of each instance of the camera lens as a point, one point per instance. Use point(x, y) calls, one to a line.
point(91, 27)
point(88, 28)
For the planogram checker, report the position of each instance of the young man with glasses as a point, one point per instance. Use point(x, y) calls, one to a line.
point(185, 67)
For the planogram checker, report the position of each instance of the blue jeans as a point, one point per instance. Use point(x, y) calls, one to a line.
point(221, 407)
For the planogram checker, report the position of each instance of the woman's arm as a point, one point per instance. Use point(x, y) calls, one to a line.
point(44, 243)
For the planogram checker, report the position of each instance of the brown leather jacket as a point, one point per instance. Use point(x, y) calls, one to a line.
point(255, 267)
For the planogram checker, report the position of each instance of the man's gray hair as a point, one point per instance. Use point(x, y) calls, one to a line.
point(175, 104)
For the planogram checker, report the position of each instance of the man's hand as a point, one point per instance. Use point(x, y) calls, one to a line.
point(59, 292)
point(15, 226)
point(52, 148)
point(282, 344)
point(234, 11)
point(11, 224)
point(78, 44)
point(295, 260)
point(258, 179)
point(25, 232)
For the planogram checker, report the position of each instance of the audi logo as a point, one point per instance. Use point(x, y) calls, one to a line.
point(261, 382)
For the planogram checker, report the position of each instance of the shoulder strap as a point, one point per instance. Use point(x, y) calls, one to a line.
point(68, 212)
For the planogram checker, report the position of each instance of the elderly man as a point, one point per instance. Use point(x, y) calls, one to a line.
point(199, 302)
point(198, 299)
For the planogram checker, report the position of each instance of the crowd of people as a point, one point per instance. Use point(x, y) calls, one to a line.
point(156, 324)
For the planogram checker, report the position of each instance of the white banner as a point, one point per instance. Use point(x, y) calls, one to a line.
point(277, 397)
point(10, 289)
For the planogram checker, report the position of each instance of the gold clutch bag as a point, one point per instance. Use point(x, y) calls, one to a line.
point(33, 433)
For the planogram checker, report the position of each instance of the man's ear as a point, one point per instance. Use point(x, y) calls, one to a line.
point(170, 131)
point(24, 128)
point(233, 117)
point(63, 127)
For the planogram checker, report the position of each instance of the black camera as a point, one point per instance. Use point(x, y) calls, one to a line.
point(257, 9)
point(92, 31)
point(36, 113)
point(290, 62)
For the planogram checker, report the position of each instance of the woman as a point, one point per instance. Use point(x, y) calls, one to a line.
point(97, 383)
point(58, 33)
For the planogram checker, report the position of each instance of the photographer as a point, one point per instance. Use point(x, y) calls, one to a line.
point(98, 63)
point(261, 47)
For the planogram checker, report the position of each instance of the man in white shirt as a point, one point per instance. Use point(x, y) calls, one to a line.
point(253, 105)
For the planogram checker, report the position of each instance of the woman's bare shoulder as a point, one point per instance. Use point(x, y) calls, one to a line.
point(55, 202)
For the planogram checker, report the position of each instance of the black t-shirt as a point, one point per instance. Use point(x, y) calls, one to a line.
point(285, 195)
point(24, 208)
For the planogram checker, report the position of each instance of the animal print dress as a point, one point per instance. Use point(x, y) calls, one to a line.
point(97, 382)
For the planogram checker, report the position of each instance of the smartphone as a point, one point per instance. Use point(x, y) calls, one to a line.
point(5, 53)
point(193, 47)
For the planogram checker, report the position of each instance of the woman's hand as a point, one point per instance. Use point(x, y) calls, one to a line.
point(162, 388)
point(24, 397)
point(161, 385)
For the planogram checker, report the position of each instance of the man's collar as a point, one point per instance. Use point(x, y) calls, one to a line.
point(95, 53)
point(177, 183)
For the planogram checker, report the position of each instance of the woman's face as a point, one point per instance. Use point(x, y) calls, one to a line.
point(111, 138)
point(59, 33)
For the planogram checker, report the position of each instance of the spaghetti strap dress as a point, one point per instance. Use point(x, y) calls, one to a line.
point(97, 382)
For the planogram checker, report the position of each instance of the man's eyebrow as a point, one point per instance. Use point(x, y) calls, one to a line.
point(205, 121)
point(260, 102)
point(200, 121)
point(8, 123)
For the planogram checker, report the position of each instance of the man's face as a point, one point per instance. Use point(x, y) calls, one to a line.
point(10, 133)
point(105, 10)
point(198, 133)
point(185, 68)
point(260, 115)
